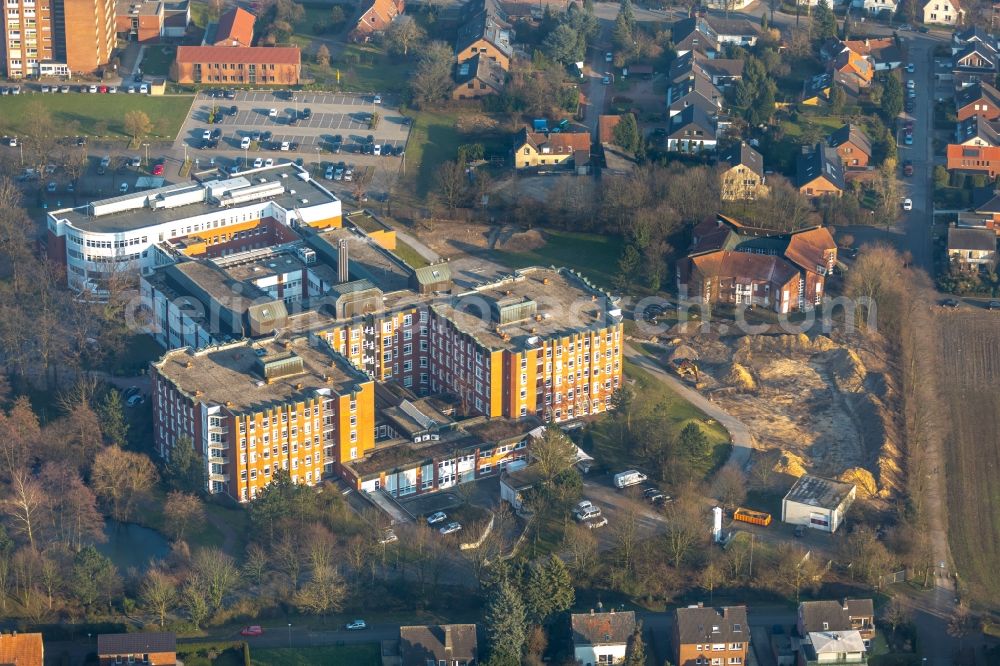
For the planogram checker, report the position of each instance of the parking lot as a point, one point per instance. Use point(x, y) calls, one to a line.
point(307, 122)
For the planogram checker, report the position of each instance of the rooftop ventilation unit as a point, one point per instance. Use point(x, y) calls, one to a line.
point(252, 193)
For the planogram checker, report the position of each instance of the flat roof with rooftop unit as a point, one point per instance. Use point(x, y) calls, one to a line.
point(247, 376)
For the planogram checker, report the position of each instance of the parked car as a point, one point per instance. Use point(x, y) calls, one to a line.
point(266, 135)
point(907, 168)
point(258, 163)
point(594, 523)
point(272, 113)
point(252, 630)
point(123, 188)
point(229, 94)
point(64, 89)
point(629, 478)
point(245, 143)
point(144, 89)
point(609, 56)
point(993, 305)
point(377, 99)
point(910, 68)
point(438, 517)
point(356, 625)
point(268, 162)
point(51, 187)
point(348, 175)
point(338, 173)
point(907, 204)
point(450, 528)
point(377, 149)
point(653, 495)
point(328, 173)
point(949, 303)
point(306, 113)
point(285, 145)
point(158, 169)
point(606, 80)
point(135, 400)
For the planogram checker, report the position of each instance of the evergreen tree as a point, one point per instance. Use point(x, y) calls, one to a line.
point(692, 442)
point(636, 653)
point(506, 624)
point(113, 423)
point(627, 265)
point(825, 22)
point(892, 98)
point(549, 590)
point(837, 98)
point(626, 133)
point(185, 470)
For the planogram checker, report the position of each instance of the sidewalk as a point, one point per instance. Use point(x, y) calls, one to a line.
point(421, 249)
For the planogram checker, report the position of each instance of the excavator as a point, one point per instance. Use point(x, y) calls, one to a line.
point(687, 370)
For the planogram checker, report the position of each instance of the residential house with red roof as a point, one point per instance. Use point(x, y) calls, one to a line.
point(979, 99)
point(256, 65)
point(19, 649)
point(732, 263)
point(374, 18)
point(542, 150)
point(602, 638)
point(142, 647)
point(235, 28)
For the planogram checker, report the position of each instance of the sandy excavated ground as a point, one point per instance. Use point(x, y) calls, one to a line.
point(812, 404)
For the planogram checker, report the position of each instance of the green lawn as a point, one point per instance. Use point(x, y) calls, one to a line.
point(211, 654)
point(409, 255)
point(366, 654)
point(649, 390)
point(433, 141)
point(94, 115)
point(365, 68)
point(594, 255)
point(156, 60)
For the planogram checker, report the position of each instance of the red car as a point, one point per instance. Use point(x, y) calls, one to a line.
point(907, 168)
point(157, 169)
point(102, 89)
point(254, 630)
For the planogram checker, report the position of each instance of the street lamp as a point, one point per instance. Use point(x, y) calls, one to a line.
point(146, 146)
point(246, 161)
point(289, 634)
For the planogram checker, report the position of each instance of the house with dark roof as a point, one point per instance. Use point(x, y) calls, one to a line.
point(976, 131)
point(828, 615)
point(816, 89)
point(883, 53)
point(695, 34)
point(601, 638)
point(979, 99)
point(731, 263)
point(818, 503)
point(451, 644)
point(741, 173)
point(235, 28)
point(819, 172)
point(374, 18)
point(975, 62)
point(478, 77)
point(697, 90)
point(972, 248)
point(486, 30)
point(711, 635)
point(737, 31)
point(853, 146)
point(547, 150)
point(21, 649)
point(152, 648)
point(692, 130)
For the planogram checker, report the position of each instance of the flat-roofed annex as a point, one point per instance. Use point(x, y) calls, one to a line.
point(556, 301)
point(231, 374)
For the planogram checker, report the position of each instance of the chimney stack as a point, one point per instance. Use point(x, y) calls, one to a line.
point(342, 265)
point(447, 637)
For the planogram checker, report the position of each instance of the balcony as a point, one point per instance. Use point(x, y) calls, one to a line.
point(218, 477)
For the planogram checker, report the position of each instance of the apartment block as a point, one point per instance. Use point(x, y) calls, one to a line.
point(713, 636)
point(85, 33)
point(278, 65)
point(252, 408)
point(28, 38)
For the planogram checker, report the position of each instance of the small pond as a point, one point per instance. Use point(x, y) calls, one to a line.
point(131, 545)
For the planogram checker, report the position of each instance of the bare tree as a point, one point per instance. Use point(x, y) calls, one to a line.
point(324, 593)
point(26, 504)
point(158, 594)
point(685, 528)
point(120, 478)
point(553, 453)
point(404, 34)
point(216, 571)
point(729, 488)
point(451, 184)
point(323, 56)
point(180, 511)
point(138, 125)
point(712, 575)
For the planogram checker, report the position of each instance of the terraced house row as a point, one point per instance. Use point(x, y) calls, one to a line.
point(300, 341)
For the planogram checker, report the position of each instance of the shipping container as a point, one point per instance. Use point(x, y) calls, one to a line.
point(752, 517)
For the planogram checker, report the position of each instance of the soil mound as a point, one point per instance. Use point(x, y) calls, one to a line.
point(741, 378)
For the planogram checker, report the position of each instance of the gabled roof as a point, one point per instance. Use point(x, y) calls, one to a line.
point(475, 8)
point(692, 116)
point(975, 127)
point(743, 267)
point(869, 47)
point(821, 162)
point(485, 26)
point(984, 51)
point(481, 68)
point(849, 61)
point(851, 133)
point(21, 649)
point(376, 15)
point(991, 205)
point(606, 128)
point(743, 153)
point(973, 33)
point(557, 143)
point(603, 628)
point(836, 642)
point(975, 93)
point(984, 240)
point(716, 625)
point(695, 28)
point(137, 643)
point(734, 27)
point(235, 28)
point(830, 615)
point(954, 4)
point(807, 248)
point(278, 55)
point(421, 644)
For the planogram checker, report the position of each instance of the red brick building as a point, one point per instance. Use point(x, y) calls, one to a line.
point(375, 17)
point(235, 28)
point(256, 65)
point(974, 159)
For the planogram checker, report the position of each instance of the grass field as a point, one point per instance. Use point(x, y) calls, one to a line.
point(680, 412)
point(211, 654)
point(594, 255)
point(409, 255)
point(365, 68)
point(366, 654)
point(969, 353)
point(94, 115)
point(433, 141)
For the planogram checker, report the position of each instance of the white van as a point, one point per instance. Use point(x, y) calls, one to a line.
point(629, 478)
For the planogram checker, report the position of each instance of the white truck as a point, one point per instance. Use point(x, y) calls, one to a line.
point(629, 478)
